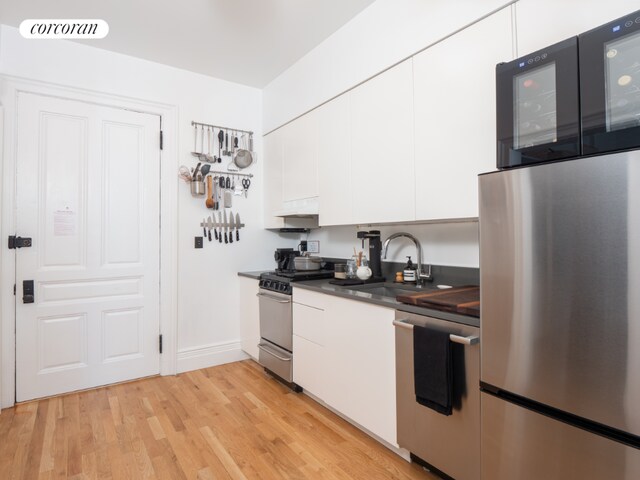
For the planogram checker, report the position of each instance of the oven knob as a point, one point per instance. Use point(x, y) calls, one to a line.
point(638, 20)
point(530, 61)
point(537, 59)
point(628, 24)
point(543, 56)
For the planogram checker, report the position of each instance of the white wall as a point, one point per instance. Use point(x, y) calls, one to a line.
point(454, 244)
point(207, 284)
point(380, 36)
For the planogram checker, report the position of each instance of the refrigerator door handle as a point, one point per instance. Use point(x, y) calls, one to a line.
point(472, 340)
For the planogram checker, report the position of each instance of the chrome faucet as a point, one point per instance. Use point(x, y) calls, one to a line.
point(420, 276)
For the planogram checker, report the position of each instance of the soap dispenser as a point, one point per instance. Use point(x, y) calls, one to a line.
point(410, 270)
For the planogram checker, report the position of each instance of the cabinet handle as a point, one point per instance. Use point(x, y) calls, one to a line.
point(472, 340)
point(272, 298)
point(266, 350)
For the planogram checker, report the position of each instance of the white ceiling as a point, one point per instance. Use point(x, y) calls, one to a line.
point(245, 41)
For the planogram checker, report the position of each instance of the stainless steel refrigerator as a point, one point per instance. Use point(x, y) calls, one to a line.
point(560, 320)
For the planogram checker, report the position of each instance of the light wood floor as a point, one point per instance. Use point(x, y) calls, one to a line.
point(230, 421)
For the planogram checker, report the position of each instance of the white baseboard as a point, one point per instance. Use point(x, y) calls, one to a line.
point(204, 356)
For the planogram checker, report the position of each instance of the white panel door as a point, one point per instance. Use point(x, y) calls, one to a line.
point(455, 117)
point(382, 147)
point(88, 194)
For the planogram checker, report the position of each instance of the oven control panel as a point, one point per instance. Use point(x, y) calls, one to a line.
point(276, 286)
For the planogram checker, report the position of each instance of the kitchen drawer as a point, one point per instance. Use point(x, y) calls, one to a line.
point(276, 359)
point(309, 298)
point(308, 323)
point(310, 369)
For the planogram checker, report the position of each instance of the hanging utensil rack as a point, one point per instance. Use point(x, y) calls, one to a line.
point(227, 129)
point(230, 174)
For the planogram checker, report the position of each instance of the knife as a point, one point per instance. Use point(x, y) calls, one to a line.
point(238, 225)
point(219, 227)
point(204, 227)
point(209, 225)
point(226, 226)
point(213, 223)
point(231, 226)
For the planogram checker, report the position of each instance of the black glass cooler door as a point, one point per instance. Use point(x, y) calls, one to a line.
point(538, 116)
point(610, 86)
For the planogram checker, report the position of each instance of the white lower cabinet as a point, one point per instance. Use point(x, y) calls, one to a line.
point(249, 316)
point(344, 354)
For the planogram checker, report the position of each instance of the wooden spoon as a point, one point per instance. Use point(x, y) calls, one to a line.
point(209, 201)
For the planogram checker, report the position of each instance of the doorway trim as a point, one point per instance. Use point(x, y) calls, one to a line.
point(10, 88)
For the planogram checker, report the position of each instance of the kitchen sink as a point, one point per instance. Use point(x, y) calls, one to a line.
point(390, 290)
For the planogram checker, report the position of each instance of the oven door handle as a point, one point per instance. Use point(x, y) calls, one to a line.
point(275, 299)
point(266, 350)
point(472, 340)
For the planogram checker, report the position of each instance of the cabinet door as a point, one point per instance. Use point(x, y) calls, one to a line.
point(334, 163)
point(272, 171)
point(382, 147)
point(455, 117)
point(300, 164)
point(360, 354)
point(249, 316)
point(540, 23)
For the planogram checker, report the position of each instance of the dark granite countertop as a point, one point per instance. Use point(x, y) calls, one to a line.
point(354, 293)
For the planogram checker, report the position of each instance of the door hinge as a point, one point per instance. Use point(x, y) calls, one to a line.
point(161, 139)
point(160, 343)
point(14, 288)
point(18, 242)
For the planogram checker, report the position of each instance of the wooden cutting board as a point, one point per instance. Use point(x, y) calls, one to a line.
point(463, 300)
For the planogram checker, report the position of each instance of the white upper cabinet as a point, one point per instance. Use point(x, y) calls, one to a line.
point(334, 163)
point(455, 117)
point(540, 23)
point(382, 147)
point(272, 170)
point(300, 161)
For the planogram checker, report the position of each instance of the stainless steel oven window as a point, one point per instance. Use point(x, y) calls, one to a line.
point(622, 82)
point(535, 116)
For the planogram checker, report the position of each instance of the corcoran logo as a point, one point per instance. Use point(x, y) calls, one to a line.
point(64, 29)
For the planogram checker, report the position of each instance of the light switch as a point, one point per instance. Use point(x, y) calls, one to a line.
point(313, 246)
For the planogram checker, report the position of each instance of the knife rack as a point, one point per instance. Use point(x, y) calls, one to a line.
point(221, 225)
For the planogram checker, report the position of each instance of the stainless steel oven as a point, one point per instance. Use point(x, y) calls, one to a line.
point(276, 333)
point(276, 318)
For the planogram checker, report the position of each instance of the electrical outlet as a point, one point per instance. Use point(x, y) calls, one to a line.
point(199, 242)
point(313, 246)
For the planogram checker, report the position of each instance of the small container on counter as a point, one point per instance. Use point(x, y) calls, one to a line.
point(352, 267)
point(340, 271)
point(410, 270)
